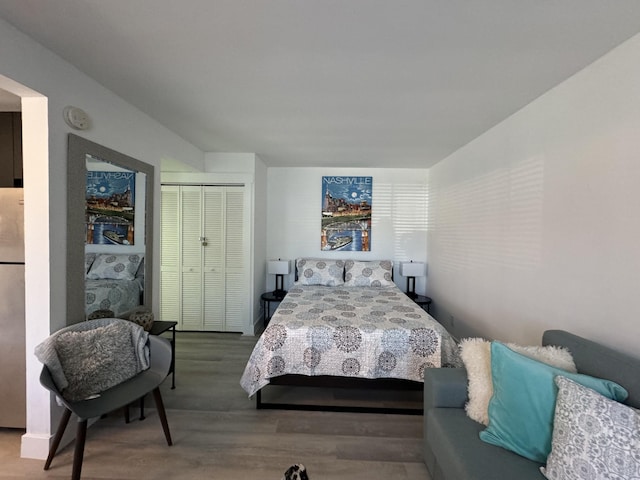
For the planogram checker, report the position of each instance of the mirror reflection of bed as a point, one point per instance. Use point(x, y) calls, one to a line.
point(114, 249)
point(109, 231)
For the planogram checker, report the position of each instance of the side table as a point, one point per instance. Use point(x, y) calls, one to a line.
point(423, 301)
point(267, 299)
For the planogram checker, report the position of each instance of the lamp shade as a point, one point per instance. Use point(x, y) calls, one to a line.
point(278, 267)
point(412, 269)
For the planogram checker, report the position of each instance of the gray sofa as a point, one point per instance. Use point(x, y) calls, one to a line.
point(452, 448)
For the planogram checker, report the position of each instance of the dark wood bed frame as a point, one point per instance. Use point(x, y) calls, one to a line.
point(325, 381)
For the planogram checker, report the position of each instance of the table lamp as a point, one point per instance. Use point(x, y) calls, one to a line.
point(279, 268)
point(411, 270)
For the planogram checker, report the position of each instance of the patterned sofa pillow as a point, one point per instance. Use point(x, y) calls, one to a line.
point(317, 271)
point(368, 274)
point(114, 267)
point(593, 437)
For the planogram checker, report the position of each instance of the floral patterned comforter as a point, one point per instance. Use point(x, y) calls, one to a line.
point(119, 296)
point(366, 332)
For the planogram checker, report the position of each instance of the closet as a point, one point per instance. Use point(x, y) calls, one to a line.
point(203, 279)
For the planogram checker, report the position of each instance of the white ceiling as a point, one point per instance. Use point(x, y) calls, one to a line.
point(354, 83)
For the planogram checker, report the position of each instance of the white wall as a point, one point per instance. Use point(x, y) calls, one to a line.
point(535, 224)
point(117, 125)
point(259, 245)
point(399, 216)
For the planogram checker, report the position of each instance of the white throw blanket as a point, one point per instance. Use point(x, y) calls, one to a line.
point(95, 362)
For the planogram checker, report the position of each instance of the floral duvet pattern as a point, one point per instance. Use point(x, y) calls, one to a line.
point(366, 332)
point(119, 296)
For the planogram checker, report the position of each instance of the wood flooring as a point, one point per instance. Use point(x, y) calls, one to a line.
point(218, 434)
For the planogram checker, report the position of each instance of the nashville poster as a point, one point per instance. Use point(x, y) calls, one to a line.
point(110, 208)
point(346, 214)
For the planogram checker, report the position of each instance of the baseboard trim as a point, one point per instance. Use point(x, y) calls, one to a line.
point(35, 446)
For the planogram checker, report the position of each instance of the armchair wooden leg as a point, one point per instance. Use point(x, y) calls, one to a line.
point(62, 426)
point(78, 454)
point(163, 416)
point(142, 417)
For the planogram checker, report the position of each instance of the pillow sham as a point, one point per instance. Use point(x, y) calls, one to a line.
point(524, 399)
point(476, 357)
point(316, 271)
point(368, 274)
point(114, 267)
point(593, 437)
point(88, 261)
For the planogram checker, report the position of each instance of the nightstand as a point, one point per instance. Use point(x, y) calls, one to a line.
point(267, 299)
point(423, 301)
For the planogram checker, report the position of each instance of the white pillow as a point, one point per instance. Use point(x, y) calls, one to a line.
point(593, 437)
point(316, 271)
point(368, 274)
point(476, 356)
point(114, 267)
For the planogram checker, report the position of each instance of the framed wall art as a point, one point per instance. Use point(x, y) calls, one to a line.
point(110, 208)
point(346, 213)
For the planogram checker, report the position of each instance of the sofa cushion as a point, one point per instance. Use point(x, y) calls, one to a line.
point(476, 356)
point(593, 436)
point(460, 454)
point(523, 403)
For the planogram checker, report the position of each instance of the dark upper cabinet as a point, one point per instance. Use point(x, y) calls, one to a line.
point(10, 149)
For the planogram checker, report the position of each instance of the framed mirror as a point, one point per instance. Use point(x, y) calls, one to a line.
point(109, 230)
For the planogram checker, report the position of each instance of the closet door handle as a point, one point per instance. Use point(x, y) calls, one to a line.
point(203, 241)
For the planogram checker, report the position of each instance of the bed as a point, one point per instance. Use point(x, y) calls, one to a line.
point(113, 282)
point(346, 323)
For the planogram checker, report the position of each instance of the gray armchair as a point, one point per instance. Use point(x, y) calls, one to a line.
point(113, 398)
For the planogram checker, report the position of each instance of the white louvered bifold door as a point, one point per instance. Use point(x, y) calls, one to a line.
point(236, 301)
point(204, 258)
point(213, 253)
point(191, 257)
point(169, 254)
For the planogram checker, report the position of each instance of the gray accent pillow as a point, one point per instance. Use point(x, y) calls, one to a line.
point(593, 437)
point(95, 360)
point(368, 274)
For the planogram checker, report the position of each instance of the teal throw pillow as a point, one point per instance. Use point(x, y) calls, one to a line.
point(522, 407)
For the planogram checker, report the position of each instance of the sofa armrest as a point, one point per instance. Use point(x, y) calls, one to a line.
point(445, 387)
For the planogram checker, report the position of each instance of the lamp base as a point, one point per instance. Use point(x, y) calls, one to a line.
point(411, 288)
point(279, 293)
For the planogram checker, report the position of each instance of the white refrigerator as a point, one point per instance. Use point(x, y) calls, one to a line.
point(12, 312)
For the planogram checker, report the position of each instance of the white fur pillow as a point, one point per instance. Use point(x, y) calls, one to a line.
point(476, 356)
